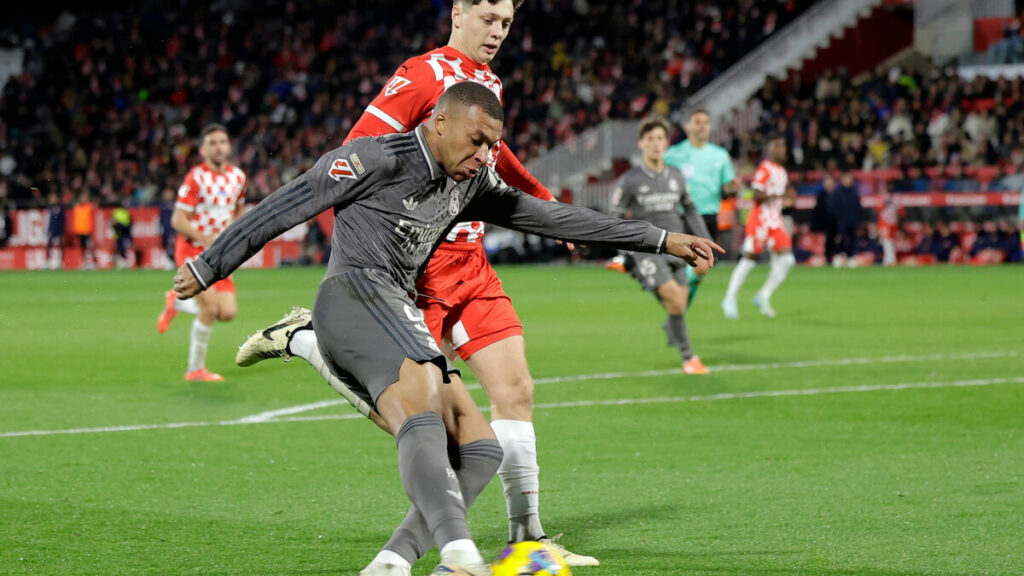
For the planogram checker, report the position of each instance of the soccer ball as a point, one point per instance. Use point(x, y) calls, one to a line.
point(530, 558)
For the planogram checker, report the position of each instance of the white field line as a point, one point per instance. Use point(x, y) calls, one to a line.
point(577, 404)
point(727, 396)
point(274, 414)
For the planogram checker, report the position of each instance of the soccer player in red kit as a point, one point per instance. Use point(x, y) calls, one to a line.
point(211, 197)
point(765, 230)
point(460, 295)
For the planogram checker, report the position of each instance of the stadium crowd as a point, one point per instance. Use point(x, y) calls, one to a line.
point(110, 102)
point(903, 120)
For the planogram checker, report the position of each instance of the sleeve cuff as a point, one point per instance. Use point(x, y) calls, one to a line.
point(194, 267)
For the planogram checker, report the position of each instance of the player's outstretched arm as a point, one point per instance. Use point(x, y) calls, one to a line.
point(332, 181)
point(512, 208)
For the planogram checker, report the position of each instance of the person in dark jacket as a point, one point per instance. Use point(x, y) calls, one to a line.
point(849, 215)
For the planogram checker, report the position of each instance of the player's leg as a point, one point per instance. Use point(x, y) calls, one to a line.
point(782, 260)
point(172, 305)
point(368, 328)
point(227, 301)
point(673, 298)
point(475, 460)
point(199, 339)
point(753, 244)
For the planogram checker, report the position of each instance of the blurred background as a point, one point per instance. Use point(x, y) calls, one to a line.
point(915, 107)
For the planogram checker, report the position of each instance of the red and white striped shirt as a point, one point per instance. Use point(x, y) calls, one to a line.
point(212, 197)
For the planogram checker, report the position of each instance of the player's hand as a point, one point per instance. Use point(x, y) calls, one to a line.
point(185, 284)
point(698, 252)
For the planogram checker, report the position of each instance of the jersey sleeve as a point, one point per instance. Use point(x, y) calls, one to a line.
point(188, 193)
point(404, 103)
point(501, 204)
point(760, 181)
point(339, 177)
point(512, 171)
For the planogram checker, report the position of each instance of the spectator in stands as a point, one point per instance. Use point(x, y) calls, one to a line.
point(987, 247)
point(943, 244)
point(55, 227)
point(957, 182)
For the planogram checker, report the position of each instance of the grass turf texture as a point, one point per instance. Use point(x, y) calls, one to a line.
point(715, 477)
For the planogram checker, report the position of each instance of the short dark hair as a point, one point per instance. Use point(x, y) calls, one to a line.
point(210, 129)
point(653, 123)
point(515, 3)
point(468, 94)
point(696, 111)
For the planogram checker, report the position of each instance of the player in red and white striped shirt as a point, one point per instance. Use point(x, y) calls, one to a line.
point(765, 229)
point(211, 197)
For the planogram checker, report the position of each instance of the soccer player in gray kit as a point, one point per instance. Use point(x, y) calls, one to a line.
point(395, 197)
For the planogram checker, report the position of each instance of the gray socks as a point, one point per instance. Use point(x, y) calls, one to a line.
point(478, 462)
point(428, 479)
point(676, 328)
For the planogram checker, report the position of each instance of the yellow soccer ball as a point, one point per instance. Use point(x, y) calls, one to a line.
point(530, 558)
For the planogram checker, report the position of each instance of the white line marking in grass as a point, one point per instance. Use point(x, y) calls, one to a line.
point(577, 404)
point(265, 416)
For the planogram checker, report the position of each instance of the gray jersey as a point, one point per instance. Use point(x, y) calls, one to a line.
point(394, 204)
point(662, 199)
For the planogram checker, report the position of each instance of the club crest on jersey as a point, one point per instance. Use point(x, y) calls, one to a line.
point(410, 203)
point(396, 84)
point(453, 201)
point(673, 185)
point(341, 169)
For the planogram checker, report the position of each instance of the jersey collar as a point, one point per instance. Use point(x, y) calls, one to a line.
point(435, 168)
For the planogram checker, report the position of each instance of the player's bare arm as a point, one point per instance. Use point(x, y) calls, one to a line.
point(181, 221)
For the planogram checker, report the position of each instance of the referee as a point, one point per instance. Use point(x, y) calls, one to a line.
point(708, 171)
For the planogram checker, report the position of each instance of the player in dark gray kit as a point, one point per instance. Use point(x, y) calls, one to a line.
point(394, 198)
point(657, 193)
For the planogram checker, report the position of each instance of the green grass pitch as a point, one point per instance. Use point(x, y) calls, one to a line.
point(876, 427)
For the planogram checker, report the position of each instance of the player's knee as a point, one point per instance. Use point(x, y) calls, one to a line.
point(514, 398)
point(226, 315)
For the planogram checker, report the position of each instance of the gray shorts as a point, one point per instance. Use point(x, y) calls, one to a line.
point(366, 326)
point(653, 270)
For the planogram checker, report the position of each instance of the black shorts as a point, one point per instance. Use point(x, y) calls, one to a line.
point(711, 221)
point(366, 326)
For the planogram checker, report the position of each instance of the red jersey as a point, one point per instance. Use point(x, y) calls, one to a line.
point(408, 100)
point(212, 197)
point(772, 179)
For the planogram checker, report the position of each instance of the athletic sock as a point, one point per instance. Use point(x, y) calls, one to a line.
point(676, 325)
point(780, 267)
point(693, 281)
point(198, 344)
point(520, 478)
point(739, 276)
point(302, 344)
point(479, 461)
point(189, 306)
point(429, 480)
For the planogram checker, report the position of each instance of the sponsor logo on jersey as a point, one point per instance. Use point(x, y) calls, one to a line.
point(341, 169)
point(356, 163)
point(396, 84)
point(410, 203)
